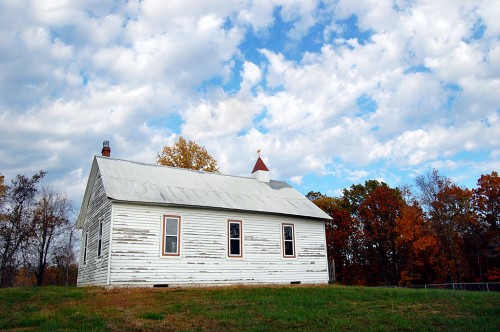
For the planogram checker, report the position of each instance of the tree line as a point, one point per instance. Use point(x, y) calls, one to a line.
point(36, 235)
point(433, 232)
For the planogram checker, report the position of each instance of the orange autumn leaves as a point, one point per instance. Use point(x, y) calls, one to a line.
point(187, 154)
point(439, 233)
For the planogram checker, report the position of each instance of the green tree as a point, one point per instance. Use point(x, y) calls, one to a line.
point(187, 154)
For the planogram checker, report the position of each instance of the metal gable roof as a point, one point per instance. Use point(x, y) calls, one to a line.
point(154, 184)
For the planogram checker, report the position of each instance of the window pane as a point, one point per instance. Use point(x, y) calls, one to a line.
point(85, 249)
point(171, 226)
point(235, 247)
point(234, 230)
point(288, 248)
point(287, 230)
point(171, 244)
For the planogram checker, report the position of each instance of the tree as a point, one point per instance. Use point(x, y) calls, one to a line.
point(450, 212)
point(342, 235)
point(487, 200)
point(64, 257)
point(3, 189)
point(430, 185)
point(50, 219)
point(417, 245)
point(487, 205)
point(455, 223)
point(362, 234)
point(15, 222)
point(187, 154)
point(315, 196)
point(378, 214)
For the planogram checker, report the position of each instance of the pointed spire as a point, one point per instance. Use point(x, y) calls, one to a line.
point(260, 170)
point(259, 165)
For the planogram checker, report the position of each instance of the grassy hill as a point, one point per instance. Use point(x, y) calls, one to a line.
point(309, 308)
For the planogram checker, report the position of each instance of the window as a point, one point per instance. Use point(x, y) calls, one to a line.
point(85, 248)
point(234, 238)
point(288, 240)
point(99, 243)
point(171, 235)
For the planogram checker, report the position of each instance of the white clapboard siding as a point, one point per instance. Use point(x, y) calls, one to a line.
point(95, 270)
point(136, 248)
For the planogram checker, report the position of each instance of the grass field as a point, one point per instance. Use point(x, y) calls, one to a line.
point(307, 308)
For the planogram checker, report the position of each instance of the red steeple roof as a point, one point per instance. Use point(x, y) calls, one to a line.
point(260, 166)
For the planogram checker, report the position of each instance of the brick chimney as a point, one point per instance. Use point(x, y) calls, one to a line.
point(260, 170)
point(106, 150)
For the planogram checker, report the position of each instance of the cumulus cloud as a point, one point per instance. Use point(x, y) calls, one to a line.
point(343, 90)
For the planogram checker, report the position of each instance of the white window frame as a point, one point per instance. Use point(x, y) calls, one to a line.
point(229, 238)
point(283, 240)
point(164, 235)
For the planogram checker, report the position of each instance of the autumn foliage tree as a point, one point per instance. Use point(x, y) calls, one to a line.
point(378, 214)
point(3, 188)
point(187, 154)
point(440, 233)
point(417, 244)
point(487, 205)
point(342, 235)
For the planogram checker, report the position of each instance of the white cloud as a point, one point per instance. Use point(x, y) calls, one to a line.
point(74, 73)
point(224, 117)
point(296, 179)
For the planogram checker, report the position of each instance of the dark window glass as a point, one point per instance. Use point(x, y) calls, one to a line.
point(288, 241)
point(85, 249)
point(171, 244)
point(235, 247)
point(234, 230)
point(234, 238)
point(99, 245)
point(288, 248)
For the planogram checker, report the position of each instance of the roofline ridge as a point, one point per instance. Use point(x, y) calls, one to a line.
point(179, 168)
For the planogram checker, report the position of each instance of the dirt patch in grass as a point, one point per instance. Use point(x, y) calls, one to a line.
point(150, 309)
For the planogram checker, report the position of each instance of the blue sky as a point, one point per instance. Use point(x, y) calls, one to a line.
point(332, 92)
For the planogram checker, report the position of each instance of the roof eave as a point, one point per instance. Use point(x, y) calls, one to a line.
point(217, 208)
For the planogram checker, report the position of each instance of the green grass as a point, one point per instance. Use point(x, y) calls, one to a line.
point(305, 308)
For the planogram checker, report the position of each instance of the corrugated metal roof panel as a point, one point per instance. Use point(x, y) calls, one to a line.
point(145, 183)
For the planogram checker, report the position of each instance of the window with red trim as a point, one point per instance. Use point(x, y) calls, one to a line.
point(288, 237)
point(171, 235)
point(234, 238)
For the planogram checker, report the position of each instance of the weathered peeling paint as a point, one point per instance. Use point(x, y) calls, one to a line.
point(132, 234)
point(262, 260)
point(94, 271)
